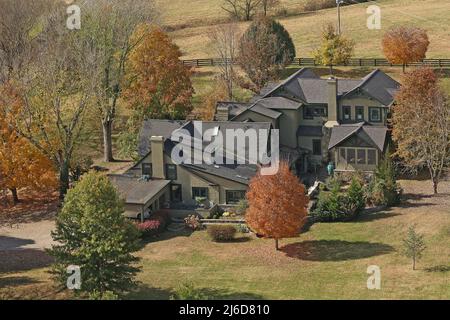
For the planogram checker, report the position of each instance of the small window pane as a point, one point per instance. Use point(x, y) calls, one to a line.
point(375, 114)
point(308, 113)
point(351, 156)
point(371, 157)
point(342, 154)
point(359, 113)
point(147, 169)
point(199, 193)
point(317, 147)
point(234, 197)
point(361, 156)
point(347, 113)
point(171, 172)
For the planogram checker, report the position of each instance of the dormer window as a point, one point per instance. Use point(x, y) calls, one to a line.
point(374, 114)
point(359, 113)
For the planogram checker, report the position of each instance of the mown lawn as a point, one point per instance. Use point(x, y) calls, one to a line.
point(197, 17)
point(329, 261)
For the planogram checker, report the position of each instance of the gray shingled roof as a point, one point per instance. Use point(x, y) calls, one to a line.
point(155, 127)
point(241, 173)
point(136, 191)
point(261, 109)
point(291, 85)
point(235, 108)
point(279, 103)
point(380, 86)
point(306, 86)
point(341, 133)
point(234, 172)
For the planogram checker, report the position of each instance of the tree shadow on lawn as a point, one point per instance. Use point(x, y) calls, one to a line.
point(23, 260)
point(16, 281)
point(147, 293)
point(335, 250)
point(167, 235)
point(369, 216)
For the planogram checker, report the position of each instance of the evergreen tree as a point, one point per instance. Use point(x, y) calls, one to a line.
point(414, 245)
point(92, 233)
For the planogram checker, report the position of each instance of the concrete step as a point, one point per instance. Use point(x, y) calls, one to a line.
point(176, 227)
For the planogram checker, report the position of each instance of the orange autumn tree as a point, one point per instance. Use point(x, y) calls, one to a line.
point(403, 45)
point(160, 85)
point(277, 205)
point(21, 164)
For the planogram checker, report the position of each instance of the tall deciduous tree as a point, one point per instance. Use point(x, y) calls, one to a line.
point(265, 49)
point(335, 48)
point(241, 9)
point(92, 233)
point(421, 124)
point(109, 25)
point(55, 91)
point(225, 39)
point(160, 85)
point(403, 45)
point(21, 164)
point(277, 204)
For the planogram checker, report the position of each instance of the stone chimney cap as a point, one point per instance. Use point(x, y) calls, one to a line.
point(157, 138)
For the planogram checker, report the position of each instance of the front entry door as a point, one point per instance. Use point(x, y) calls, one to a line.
point(175, 193)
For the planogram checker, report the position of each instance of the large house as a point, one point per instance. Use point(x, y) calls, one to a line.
point(319, 120)
point(322, 120)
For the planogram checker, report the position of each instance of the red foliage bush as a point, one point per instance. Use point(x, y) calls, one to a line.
point(155, 225)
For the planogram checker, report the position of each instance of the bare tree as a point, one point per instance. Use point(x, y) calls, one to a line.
point(18, 18)
point(109, 24)
point(241, 9)
point(225, 39)
point(268, 5)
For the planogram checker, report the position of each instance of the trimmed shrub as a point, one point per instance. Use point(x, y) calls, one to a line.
point(335, 206)
point(221, 233)
point(149, 228)
point(153, 226)
point(193, 222)
point(383, 189)
point(355, 194)
point(333, 183)
point(243, 228)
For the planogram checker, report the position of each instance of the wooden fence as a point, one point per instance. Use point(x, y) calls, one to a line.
point(310, 62)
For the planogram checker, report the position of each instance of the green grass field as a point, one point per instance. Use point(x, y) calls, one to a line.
point(431, 15)
point(329, 261)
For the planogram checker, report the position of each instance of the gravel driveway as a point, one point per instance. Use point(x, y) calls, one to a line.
point(33, 235)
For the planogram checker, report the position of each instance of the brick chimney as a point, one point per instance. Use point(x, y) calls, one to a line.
point(157, 147)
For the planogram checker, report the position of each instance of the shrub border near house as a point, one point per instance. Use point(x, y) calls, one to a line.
point(338, 206)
